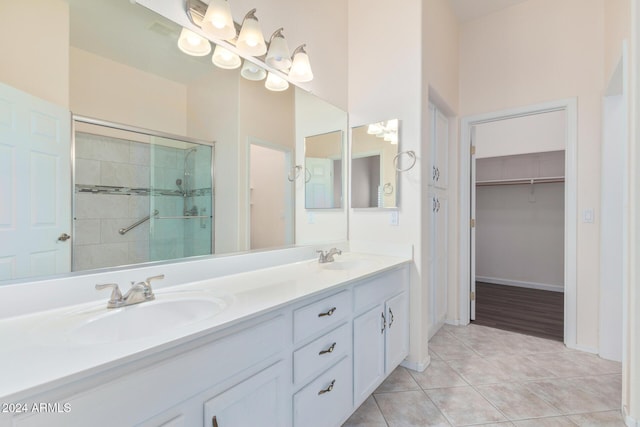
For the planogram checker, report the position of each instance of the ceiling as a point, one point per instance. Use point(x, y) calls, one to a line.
point(467, 10)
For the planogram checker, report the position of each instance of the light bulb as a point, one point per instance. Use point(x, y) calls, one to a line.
point(225, 59)
point(300, 67)
point(251, 71)
point(250, 40)
point(218, 22)
point(276, 83)
point(193, 44)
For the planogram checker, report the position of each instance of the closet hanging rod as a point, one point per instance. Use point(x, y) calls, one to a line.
point(520, 181)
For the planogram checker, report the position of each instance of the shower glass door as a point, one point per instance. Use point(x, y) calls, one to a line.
point(139, 196)
point(181, 201)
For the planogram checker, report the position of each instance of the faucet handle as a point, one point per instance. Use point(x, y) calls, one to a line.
point(116, 295)
point(147, 283)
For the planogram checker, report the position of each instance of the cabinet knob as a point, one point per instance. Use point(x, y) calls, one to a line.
point(329, 350)
point(328, 389)
point(328, 313)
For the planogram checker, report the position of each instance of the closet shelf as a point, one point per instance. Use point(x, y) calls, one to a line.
point(520, 181)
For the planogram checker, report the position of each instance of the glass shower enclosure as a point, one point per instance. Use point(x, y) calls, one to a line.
point(139, 195)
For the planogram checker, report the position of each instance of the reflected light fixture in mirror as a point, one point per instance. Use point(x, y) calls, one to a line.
point(225, 59)
point(193, 44)
point(276, 83)
point(278, 55)
point(250, 40)
point(300, 67)
point(218, 22)
point(251, 71)
point(387, 130)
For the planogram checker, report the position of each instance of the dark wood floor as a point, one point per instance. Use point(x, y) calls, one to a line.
point(523, 310)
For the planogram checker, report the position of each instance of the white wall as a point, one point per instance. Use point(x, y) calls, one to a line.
point(315, 117)
point(539, 51)
point(520, 235)
point(40, 27)
point(529, 134)
point(108, 90)
point(419, 60)
point(211, 120)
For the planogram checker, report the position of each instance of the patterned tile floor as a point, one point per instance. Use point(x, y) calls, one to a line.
point(489, 377)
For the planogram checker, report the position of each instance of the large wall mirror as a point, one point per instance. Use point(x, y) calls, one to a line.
point(323, 170)
point(374, 156)
point(134, 74)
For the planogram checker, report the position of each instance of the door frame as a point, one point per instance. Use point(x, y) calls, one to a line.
point(570, 106)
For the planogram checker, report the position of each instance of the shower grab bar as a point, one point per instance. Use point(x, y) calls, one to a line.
point(124, 231)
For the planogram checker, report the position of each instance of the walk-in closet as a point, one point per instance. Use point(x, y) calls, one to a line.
point(519, 224)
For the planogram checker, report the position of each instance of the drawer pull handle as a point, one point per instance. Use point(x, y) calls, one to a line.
point(328, 313)
point(214, 421)
point(384, 323)
point(390, 317)
point(329, 350)
point(328, 389)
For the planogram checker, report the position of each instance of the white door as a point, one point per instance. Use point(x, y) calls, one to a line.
point(35, 189)
point(441, 147)
point(318, 190)
point(473, 226)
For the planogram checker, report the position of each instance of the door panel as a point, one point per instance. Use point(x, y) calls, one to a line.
point(35, 142)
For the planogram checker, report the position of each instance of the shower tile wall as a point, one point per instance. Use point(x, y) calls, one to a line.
point(107, 161)
point(98, 217)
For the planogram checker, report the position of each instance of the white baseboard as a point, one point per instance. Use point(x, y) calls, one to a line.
point(582, 348)
point(520, 284)
point(416, 366)
point(454, 322)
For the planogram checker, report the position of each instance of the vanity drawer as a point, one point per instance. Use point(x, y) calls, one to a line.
point(379, 288)
point(323, 352)
point(327, 400)
point(320, 315)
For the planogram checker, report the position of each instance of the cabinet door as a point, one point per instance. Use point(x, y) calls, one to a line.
point(257, 401)
point(438, 268)
point(368, 352)
point(441, 150)
point(397, 339)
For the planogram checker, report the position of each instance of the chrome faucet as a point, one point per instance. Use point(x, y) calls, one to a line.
point(139, 292)
point(328, 256)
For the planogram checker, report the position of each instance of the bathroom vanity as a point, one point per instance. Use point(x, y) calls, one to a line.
point(300, 344)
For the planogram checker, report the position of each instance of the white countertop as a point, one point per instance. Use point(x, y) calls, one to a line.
point(41, 349)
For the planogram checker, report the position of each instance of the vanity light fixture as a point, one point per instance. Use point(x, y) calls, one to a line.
point(218, 22)
point(276, 83)
point(374, 129)
point(251, 71)
point(225, 59)
point(250, 40)
point(300, 67)
point(193, 44)
point(278, 55)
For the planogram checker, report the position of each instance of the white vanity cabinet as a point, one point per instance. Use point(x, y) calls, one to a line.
point(139, 392)
point(310, 362)
point(322, 368)
point(380, 330)
point(257, 401)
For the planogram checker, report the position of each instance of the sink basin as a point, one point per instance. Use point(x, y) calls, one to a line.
point(168, 311)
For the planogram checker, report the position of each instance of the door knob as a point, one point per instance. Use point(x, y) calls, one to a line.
point(64, 237)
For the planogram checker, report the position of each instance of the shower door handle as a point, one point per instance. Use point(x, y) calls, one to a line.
point(63, 237)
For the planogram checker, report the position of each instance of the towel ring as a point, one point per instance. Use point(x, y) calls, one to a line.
point(409, 153)
point(387, 188)
point(307, 175)
point(295, 171)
